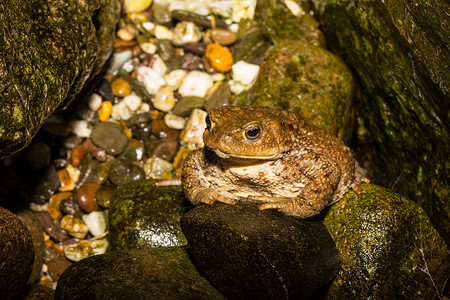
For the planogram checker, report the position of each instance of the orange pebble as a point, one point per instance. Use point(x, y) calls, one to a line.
point(77, 155)
point(219, 57)
point(105, 111)
point(55, 200)
point(67, 183)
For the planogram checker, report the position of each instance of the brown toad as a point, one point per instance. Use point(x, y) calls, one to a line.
point(271, 156)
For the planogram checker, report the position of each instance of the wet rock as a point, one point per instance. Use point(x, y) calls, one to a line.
point(123, 171)
point(400, 55)
point(164, 149)
point(90, 169)
point(300, 77)
point(104, 90)
point(196, 83)
point(186, 32)
point(174, 122)
point(38, 155)
point(86, 197)
point(251, 46)
point(157, 168)
point(72, 141)
point(110, 137)
point(139, 125)
point(42, 184)
point(247, 253)
point(67, 184)
point(204, 21)
point(70, 206)
point(195, 48)
point(85, 248)
point(16, 254)
point(160, 129)
point(187, 104)
point(57, 129)
point(38, 292)
point(220, 97)
point(74, 226)
point(161, 14)
point(120, 87)
point(105, 195)
point(57, 266)
point(51, 227)
point(150, 79)
point(223, 36)
point(37, 235)
point(54, 203)
point(190, 62)
point(387, 244)
point(161, 273)
point(164, 99)
point(143, 216)
point(62, 63)
point(96, 222)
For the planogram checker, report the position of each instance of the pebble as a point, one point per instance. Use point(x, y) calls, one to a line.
point(123, 171)
point(190, 62)
point(220, 58)
point(103, 170)
point(196, 48)
point(139, 125)
point(128, 32)
point(187, 104)
point(130, 6)
point(158, 168)
point(175, 78)
point(74, 226)
point(164, 149)
point(88, 171)
point(164, 99)
point(174, 122)
point(86, 197)
point(295, 9)
point(193, 6)
point(149, 48)
point(94, 101)
point(104, 111)
point(97, 152)
point(244, 73)
point(67, 184)
point(163, 33)
point(53, 229)
point(38, 155)
point(138, 147)
point(185, 33)
point(96, 222)
point(120, 111)
point(151, 80)
point(78, 155)
point(57, 128)
point(104, 90)
point(192, 135)
point(71, 142)
point(120, 87)
point(81, 128)
point(69, 206)
point(160, 13)
point(85, 249)
point(223, 36)
point(110, 137)
point(42, 184)
point(158, 65)
point(57, 266)
point(243, 10)
point(221, 96)
point(196, 83)
point(116, 61)
point(105, 195)
point(133, 102)
point(160, 129)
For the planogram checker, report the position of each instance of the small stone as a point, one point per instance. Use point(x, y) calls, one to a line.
point(86, 197)
point(70, 206)
point(81, 128)
point(128, 32)
point(74, 226)
point(219, 58)
point(85, 249)
point(223, 36)
point(94, 101)
point(133, 102)
point(151, 80)
point(196, 83)
point(130, 6)
point(157, 168)
point(120, 87)
point(38, 155)
point(139, 125)
point(53, 229)
point(89, 170)
point(123, 171)
point(105, 111)
point(160, 129)
point(164, 99)
point(103, 171)
point(192, 134)
point(158, 65)
point(186, 105)
point(186, 32)
point(244, 73)
point(58, 129)
point(42, 184)
point(72, 141)
point(104, 89)
point(97, 152)
point(67, 184)
point(295, 9)
point(57, 266)
point(220, 97)
point(148, 48)
point(105, 195)
point(164, 149)
point(243, 10)
point(116, 62)
point(54, 204)
point(190, 62)
point(174, 122)
point(161, 13)
point(109, 136)
point(193, 6)
point(163, 33)
point(96, 222)
point(78, 155)
point(120, 111)
point(217, 77)
point(196, 48)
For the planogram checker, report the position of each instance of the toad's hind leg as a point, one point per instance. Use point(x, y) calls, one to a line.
point(292, 206)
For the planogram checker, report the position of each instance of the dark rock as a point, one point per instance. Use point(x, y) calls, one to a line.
point(110, 137)
point(43, 184)
point(16, 254)
point(89, 170)
point(105, 195)
point(388, 247)
point(160, 273)
point(251, 46)
point(37, 235)
point(165, 49)
point(196, 48)
point(204, 21)
point(164, 148)
point(56, 46)
point(104, 90)
point(38, 155)
point(252, 254)
point(51, 227)
point(187, 104)
point(143, 216)
point(139, 125)
point(124, 171)
point(69, 206)
point(220, 97)
point(304, 78)
point(160, 129)
point(38, 292)
point(401, 56)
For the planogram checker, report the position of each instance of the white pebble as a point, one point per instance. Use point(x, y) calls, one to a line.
point(145, 107)
point(163, 33)
point(196, 83)
point(192, 134)
point(149, 26)
point(120, 111)
point(243, 9)
point(235, 87)
point(81, 128)
point(174, 121)
point(194, 6)
point(94, 101)
point(217, 77)
point(96, 222)
point(185, 33)
point(129, 65)
point(118, 59)
point(133, 101)
point(159, 66)
point(175, 78)
point(244, 73)
point(148, 47)
point(130, 6)
point(164, 99)
point(295, 9)
point(74, 173)
point(158, 168)
point(151, 80)
point(222, 8)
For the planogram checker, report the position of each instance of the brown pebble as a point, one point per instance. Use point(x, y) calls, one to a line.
point(120, 87)
point(57, 266)
point(71, 142)
point(86, 197)
point(136, 51)
point(190, 62)
point(57, 129)
point(164, 149)
point(67, 184)
point(196, 48)
point(77, 155)
point(223, 36)
point(99, 153)
point(54, 204)
point(52, 227)
point(160, 129)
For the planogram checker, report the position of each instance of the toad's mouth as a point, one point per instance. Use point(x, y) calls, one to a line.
point(238, 156)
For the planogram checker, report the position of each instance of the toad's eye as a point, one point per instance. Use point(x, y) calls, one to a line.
point(253, 132)
point(208, 122)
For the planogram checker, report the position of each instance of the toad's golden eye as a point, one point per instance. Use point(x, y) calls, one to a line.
point(208, 122)
point(252, 132)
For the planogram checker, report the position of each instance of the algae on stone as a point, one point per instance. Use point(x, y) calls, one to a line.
point(388, 248)
point(48, 50)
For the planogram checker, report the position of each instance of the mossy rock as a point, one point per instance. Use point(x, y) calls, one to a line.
point(143, 215)
point(48, 50)
point(304, 78)
point(400, 52)
point(160, 273)
point(388, 247)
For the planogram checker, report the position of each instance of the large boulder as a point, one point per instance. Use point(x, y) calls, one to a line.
point(48, 50)
point(400, 52)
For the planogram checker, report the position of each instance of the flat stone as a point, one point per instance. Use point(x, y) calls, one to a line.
point(110, 137)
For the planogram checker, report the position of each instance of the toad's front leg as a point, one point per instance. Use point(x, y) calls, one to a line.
point(196, 187)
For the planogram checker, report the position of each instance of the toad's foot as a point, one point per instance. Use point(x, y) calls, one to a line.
point(289, 206)
point(210, 196)
point(356, 185)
